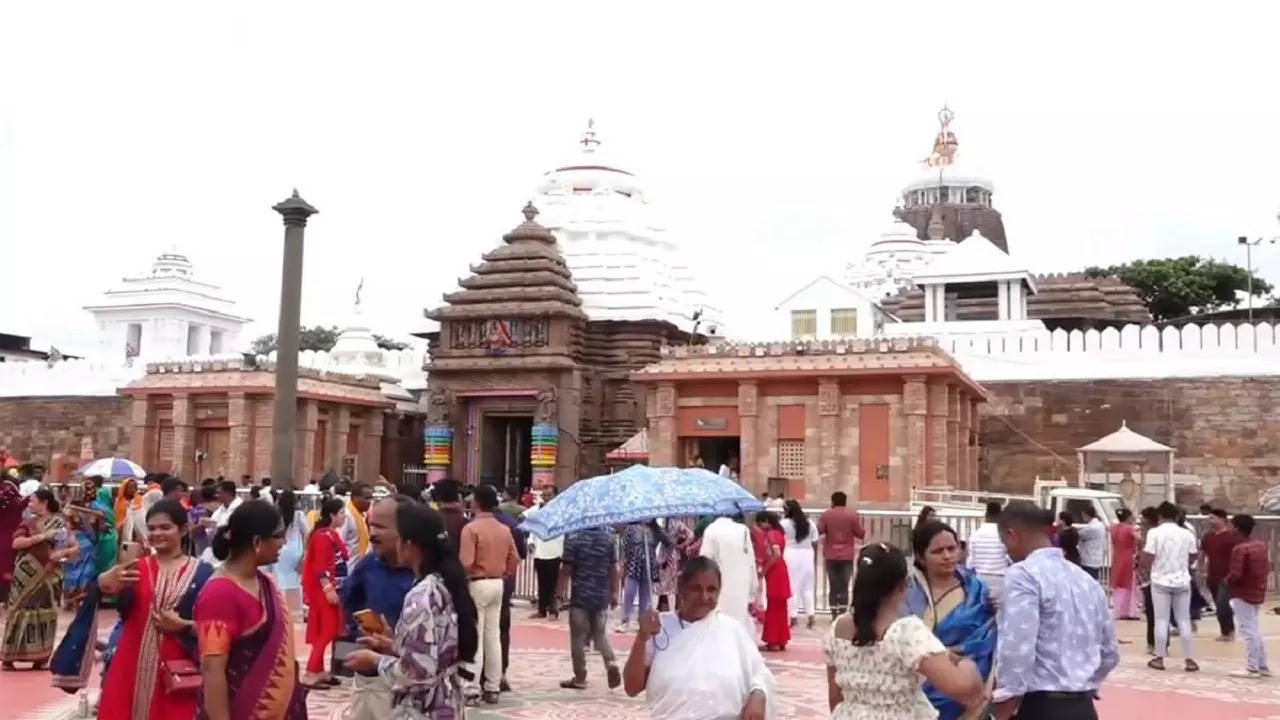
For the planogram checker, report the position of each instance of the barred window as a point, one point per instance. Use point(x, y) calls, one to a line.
point(791, 458)
point(844, 321)
point(804, 324)
point(165, 444)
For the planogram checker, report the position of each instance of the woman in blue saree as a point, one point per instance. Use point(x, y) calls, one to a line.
point(86, 523)
point(953, 602)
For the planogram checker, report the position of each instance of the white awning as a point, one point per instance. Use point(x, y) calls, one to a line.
point(1125, 440)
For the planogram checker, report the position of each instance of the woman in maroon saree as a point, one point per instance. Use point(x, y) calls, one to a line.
point(244, 628)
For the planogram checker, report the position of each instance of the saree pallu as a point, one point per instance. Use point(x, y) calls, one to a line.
point(107, 539)
point(262, 673)
point(969, 630)
point(80, 573)
point(32, 617)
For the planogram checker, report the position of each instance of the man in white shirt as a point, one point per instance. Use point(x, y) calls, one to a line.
point(546, 564)
point(1169, 551)
point(987, 554)
point(728, 543)
point(1093, 542)
point(228, 501)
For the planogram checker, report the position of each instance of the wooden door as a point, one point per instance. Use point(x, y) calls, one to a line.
point(873, 449)
point(217, 444)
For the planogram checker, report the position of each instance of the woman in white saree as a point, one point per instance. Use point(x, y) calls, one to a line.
point(698, 663)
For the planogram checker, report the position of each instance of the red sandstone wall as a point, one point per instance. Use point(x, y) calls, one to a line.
point(1225, 430)
point(37, 428)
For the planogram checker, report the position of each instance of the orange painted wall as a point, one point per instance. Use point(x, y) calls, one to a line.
point(872, 386)
point(776, 388)
point(708, 389)
point(791, 422)
point(687, 419)
point(873, 447)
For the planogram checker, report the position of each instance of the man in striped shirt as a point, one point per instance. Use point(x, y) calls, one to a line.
point(987, 554)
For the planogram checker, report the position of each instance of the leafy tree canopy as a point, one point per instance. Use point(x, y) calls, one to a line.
point(311, 338)
point(1175, 287)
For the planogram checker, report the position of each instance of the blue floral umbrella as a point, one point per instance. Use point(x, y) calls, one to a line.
point(638, 494)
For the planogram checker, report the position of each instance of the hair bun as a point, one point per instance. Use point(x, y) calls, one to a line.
point(220, 544)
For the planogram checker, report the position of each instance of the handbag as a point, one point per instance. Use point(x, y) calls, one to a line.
point(180, 675)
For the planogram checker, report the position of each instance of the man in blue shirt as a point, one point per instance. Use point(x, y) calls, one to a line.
point(1057, 637)
point(379, 584)
point(590, 566)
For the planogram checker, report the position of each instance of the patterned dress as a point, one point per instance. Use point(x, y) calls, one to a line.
point(881, 681)
point(424, 678)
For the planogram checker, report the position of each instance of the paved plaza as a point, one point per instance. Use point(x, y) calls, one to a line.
point(540, 660)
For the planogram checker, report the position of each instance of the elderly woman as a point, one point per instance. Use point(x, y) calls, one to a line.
point(697, 663)
point(954, 603)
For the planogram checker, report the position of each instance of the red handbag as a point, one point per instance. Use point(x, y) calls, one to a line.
point(180, 675)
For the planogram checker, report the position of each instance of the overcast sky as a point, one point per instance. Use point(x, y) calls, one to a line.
point(774, 142)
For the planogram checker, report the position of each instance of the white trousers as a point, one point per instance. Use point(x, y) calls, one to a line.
point(1255, 650)
point(371, 699)
point(487, 595)
point(800, 567)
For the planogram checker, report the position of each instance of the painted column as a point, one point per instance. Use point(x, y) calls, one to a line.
point(937, 471)
point(305, 439)
point(143, 440)
point(1002, 300)
point(335, 446)
point(748, 444)
point(962, 438)
point(663, 438)
point(915, 404)
point(184, 436)
point(930, 314)
point(953, 437)
point(828, 439)
point(543, 453)
point(240, 430)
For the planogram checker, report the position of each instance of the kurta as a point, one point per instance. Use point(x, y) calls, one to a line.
point(729, 544)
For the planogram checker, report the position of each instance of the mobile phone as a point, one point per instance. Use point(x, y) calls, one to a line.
point(129, 551)
point(371, 622)
point(341, 649)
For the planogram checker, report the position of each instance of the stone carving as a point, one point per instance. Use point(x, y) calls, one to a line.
point(499, 334)
point(547, 407)
point(828, 398)
point(665, 405)
point(748, 398)
point(439, 407)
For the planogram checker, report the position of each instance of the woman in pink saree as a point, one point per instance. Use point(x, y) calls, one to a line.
point(245, 631)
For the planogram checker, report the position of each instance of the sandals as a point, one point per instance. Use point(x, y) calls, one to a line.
point(1156, 663)
point(1192, 666)
point(573, 684)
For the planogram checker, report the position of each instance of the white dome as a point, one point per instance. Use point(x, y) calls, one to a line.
point(954, 175)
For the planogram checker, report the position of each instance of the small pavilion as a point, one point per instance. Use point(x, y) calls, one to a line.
point(1132, 452)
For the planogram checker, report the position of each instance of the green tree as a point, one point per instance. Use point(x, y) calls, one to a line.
point(310, 338)
point(1175, 287)
point(387, 343)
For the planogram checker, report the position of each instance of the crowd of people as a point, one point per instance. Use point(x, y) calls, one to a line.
point(410, 597)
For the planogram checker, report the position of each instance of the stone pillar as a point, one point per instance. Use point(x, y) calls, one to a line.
point(915, 404)
point(748, 441)
point(370, 464)
point(240, 422)
point(937, 471)
point(975, 424)
point(184, 437)
point(962, 440)
point(828, 438)
point(143, 440)
point(662, 427)
point(953, 437)
point(295, 212)
point(305, 439)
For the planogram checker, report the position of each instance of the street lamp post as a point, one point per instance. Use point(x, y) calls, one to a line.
point(295, 212)
point(1248, 265)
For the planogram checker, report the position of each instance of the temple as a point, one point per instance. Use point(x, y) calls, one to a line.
point(522, 387)
point(624, 262)
point(167, 314)
point(940, 212)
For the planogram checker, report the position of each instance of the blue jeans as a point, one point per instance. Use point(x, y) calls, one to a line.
point(629, 591)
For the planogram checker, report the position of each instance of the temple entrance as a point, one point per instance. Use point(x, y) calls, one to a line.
point(504, 449)
point(713, 452)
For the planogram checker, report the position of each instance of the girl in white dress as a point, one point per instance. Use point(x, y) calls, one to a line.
point(802, 537)
point(877, 660)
